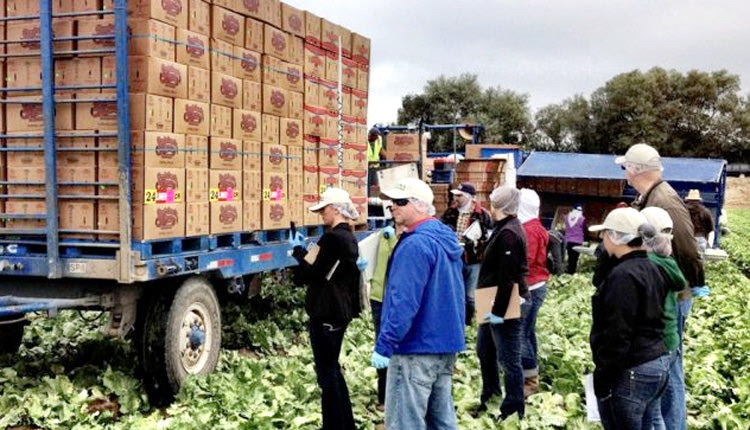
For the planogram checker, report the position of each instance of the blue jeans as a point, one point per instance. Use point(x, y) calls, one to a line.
point(419, 392)
point(471, 278)
point(377, 311)
point(683, 311)
point(503, 341)
point(672, 409)
point(633, 402)
point(530, 311)
point(326, 342)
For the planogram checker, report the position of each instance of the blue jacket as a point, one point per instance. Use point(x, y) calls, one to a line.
point(423, 310)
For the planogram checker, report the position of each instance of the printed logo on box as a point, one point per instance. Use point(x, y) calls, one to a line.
point(166, 147)
point(195, 47)
point(277, 98)
point(276, 212)
point(227, 214)
point(228, 88)
point(172, 7)
point(249, 62)
point(228, 151)
point(170, 76)
point(293, 75)
point(248, 123)
point(275, 156)
point(278, 41)
point(252, 5)
point(166, 218)
point(230, 24)
point(292, 130)
point(193, 114)
point(295, 22)
point(104, 110)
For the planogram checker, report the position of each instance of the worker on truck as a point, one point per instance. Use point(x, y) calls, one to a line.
point(374, 145)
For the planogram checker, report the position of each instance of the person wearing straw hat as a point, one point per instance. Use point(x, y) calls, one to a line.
point(703, 221)
point(627, 333)
point(331, 272)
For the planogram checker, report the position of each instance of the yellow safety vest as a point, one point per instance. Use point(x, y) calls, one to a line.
point(373, 149)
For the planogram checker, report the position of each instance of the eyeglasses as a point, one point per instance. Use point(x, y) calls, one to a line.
point(400, 202)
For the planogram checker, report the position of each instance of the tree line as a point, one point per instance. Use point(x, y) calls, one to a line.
point(693, 114)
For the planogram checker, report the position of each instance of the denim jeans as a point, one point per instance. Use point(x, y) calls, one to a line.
point(503, 341)
point(672, 411)
point(377, 311)
point(530, 310)
point(419, 392)
point(683, 311)
point(471, 278)
point(326, 342)
point(633, 402)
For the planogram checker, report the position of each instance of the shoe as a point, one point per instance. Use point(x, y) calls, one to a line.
point(478, 410)
point(530, 386)
point(380, 407)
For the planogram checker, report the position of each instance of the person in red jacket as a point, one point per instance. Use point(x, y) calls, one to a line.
point(537, 239)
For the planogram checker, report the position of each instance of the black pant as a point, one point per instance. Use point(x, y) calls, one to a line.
point(326, 342)
point(572, 258)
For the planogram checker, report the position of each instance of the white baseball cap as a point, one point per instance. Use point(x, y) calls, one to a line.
point(642, 154)
point(330, 196)
point(622, 220)
point(410, 188)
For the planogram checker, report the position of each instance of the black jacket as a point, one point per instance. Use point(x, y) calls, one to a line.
point(628, 325)
point(505, 263)
point(474, 249)
point(703, 222)
point(337, 300)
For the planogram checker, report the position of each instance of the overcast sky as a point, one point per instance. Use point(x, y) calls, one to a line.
point(549, 50)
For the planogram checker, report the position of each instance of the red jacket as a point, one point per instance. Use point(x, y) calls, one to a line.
point(536, 251)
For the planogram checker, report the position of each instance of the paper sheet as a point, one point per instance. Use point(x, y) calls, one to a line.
point(592, 407)
point(368, 249)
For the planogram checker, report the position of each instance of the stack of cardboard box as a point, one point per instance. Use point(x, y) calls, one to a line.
point(486, 175)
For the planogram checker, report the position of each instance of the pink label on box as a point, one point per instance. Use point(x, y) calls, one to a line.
point(230, 194)
point(170, 196)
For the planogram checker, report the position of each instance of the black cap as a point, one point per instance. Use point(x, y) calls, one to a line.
point(466, 187)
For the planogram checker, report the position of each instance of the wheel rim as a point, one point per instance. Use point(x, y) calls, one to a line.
point(196, 335)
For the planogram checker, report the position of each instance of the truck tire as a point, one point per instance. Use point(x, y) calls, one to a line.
point(11, 335)
point(179, 335)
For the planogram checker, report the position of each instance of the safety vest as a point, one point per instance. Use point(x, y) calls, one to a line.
point(373, 149)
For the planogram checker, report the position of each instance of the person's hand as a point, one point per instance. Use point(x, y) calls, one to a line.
point(700, 292)
point(361, 263)
point(296, 240)
point(389, 232)
point(379, 362)
point(493, 319)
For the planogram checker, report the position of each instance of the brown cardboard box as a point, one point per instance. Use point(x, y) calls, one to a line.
point(225, 153)
point(199, 84)
point(254, 35)
point(199, 17)
point(252, 96)
point(295, 159)
point(329, 35)
point(272, 12)
point(85, 5)
point(79, 174)
point(157, 76)
point(221, 121)
point(224, 185)
point(349, 70)
point(151, 38)
point(274, 158)
point(172, 12)
point(363, 78)
point(87, 70)
point(355, 156)
point(157, 149)
point(196, 185)
point(297, 51)
point(253, 8)
point(297, 212)
point(227, 25)
point(251, 215)
point(221, 56)
point(403, 142)
point(296, 105)
point(346, 100)
point(31, 174)
point(160, 221)
point(226, 217)
point(328, 155)
point(350, 129)
point(246, 64)
point(191, 117)
point(310, 218)
point(296, 183)
point(392, 155)
point(292, 20)
point(275, 101)
point(157, 185)
point(108, 71)
point(76, 215)
point(98, 115)
point(270, 129)
point(275, 42)
point(313, 27)
point(290, 132)
point(332, 67)
point(252, 185)
point(107, 218)
point(291, 77)
point(23, 72)
point(25, 207)
point(106, 168)
point(30, 117)
point(310, 150)
point(361, 130)
point(327, 177)
point(360, 49)
point(275, 215)
point(312, 91)
point(29, 29)
point(197, 217)
point(252, 155)
point(315, 61)
point(354, 182)
point(196, 151)
point(329, 95)
point(310, 180)
point(275, 186)
point(150, 112)
point(360, 203)
point(271, 73)
point(192, 49)
point(346, 40)
point(247, 125)
point(25, 158)
point(359, 104)
point(226, 90)
point(315, 119)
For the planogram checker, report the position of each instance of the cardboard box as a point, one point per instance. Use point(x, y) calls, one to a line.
point(227, 25)
point(363, 78)
point(247, 64)
point(332, 67)
point(329, 35)
point(315, 119)
point(151, 38)
point(28, 207)
point(292, 20)
point(251, 219)
point(199, 17)
point(311, 91)
point(226, 217)
point(156, 76)
point(297, 212)
point(30, 174)
point(224, 185)
point(292, 77)
point(29, 29)
point(296, 183)
point(23, 73)
point(76, 215)
point(251, 155)
point(98, 115)
point(254, 35)
point(197, 217)
point(310, 180)
point(196, 151)
point(107, 168)
point(270, 129)
point(295, 159)
point(403, 142)
point(327, 177)
point(274, 158)
point(85, 5)
point(359, 104)
point(221, 121)
point(310, 218)
point(252, 96)
point(310, 150)
point(30, 117)
point(296, 105)
point(360, 203)
point(252, 185)
point(275, 101)
point(349, 70)
point(87, 71)
point(247, 125)
point(252, 8)
point(199, 84)
point(192, 49)
point(328, 154)
point(315, 61)
point(313, 26)
point(346, 40)
point(360, 49)
point(107, 218)
point(191, 117)
point(272, 12)
point(350, 129)
point(329, 95)
point(275, 186)
point(161, 221)
point(17, 159)
point(392, 155)
point(274, 215)
point(275, 42)
point(226, 90)
point(290, 131)
point(271, 70)
point(78, 174)
point(221, 56)
point(355, 156)
point(225, 153)
point(157, 185)
point(296, 53)
point(157, 149)
point(172, 12)
point(354, 182)
point(150, 112)
point(346, 100)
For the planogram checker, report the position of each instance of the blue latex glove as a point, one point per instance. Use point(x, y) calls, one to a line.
point(389, 232)
point(379, 362)
point(296, 240)
point(700, 292)
point(493, 319)
point(361, 263)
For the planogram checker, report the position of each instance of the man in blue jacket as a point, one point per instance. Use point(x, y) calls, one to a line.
point(422, 325)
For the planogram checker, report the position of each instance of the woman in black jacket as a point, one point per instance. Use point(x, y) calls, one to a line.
point(332, 279)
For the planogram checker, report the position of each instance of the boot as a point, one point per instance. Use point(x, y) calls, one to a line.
point(530, 386)
point(469, 314)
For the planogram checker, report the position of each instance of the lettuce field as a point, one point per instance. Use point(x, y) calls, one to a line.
point(67, 375)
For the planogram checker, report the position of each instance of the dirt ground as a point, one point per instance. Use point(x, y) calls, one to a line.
point(738, 193)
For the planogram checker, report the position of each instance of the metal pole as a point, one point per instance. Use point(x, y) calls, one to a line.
point(340, 112)
point(50, 154)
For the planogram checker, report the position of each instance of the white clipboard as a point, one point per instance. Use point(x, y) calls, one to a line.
point(368, 249)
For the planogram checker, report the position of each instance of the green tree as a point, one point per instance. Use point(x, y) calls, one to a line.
point(563, 127)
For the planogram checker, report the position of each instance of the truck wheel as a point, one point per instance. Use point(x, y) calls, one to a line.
point(180, 336)
point(11, 335)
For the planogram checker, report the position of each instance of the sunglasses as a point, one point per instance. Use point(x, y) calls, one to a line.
point(400, 202)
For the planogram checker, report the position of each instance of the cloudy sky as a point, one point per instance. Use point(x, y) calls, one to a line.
point(549, 50)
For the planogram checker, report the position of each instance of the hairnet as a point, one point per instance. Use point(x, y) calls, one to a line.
point(528, 206)
point(423, 207)
point(347, 210)
point(505, 199)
